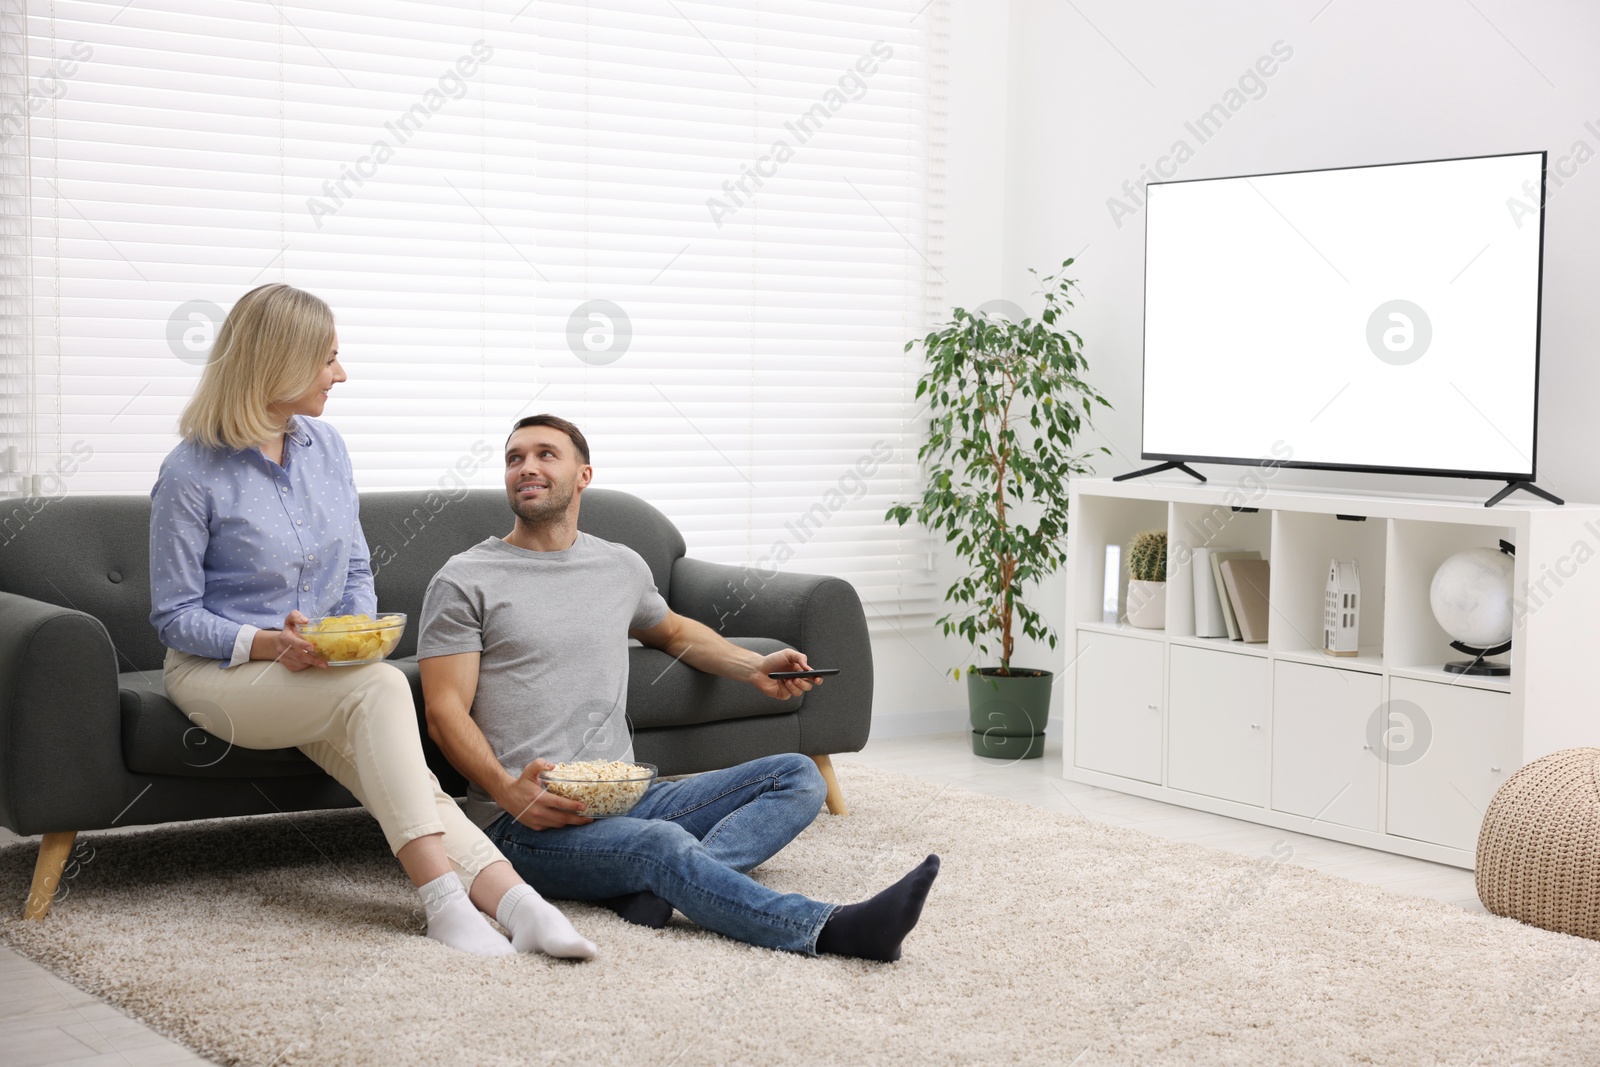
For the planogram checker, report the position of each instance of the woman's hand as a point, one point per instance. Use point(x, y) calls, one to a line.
point(286, 646)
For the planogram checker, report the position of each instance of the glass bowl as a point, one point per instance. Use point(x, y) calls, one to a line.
point(608, 788)
point(351, 640)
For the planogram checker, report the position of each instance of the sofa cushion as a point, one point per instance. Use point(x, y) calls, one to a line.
point(91, 554)
point(157, 738)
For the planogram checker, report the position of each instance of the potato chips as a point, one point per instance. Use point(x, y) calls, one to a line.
point(351, 639)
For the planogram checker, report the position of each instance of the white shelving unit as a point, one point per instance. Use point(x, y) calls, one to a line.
point(1283, 734)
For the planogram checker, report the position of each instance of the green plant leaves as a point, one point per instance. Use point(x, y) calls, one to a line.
point(1003, 401)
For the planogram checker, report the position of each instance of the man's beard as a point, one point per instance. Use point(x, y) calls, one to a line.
point(550, 509)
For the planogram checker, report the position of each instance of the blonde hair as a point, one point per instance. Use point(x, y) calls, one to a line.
point(270, 350)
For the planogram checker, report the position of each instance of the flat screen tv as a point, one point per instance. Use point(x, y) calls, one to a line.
point(1377, 318)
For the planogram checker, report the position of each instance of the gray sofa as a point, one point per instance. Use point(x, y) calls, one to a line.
point(88, 739)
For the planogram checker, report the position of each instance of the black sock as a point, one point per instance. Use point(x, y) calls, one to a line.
point(873, 929)
point(643, 908)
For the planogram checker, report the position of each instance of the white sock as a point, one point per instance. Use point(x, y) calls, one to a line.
point(453, 919)
point(535, 923)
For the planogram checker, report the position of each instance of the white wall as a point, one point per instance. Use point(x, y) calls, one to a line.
point(1087, 95)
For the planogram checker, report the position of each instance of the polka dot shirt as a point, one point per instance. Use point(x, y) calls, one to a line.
point(237, 540)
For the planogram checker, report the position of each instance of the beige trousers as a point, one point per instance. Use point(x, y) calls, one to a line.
point(357, 723)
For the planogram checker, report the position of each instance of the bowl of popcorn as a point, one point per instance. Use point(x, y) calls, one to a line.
point(351, 640)
point(608, 788)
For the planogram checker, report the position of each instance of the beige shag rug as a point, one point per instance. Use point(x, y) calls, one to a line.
point(1047, 939)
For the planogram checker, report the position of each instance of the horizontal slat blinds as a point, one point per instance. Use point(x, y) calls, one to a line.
point(702, 231)
point(16, 394)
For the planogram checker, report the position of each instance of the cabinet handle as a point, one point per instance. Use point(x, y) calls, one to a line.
point(1366, 748)
point(1496, 770)
point(1255, 726)
point(1152, 707)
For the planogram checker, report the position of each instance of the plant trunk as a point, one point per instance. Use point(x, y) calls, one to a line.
point(1008, 568)
point(1008, 564)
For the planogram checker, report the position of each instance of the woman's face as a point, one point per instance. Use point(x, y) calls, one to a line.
point(315, 398)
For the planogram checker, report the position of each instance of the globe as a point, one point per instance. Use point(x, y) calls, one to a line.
point(1471, 597)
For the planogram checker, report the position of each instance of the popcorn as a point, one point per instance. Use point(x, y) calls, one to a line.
point(606, 787)
point(354, 638)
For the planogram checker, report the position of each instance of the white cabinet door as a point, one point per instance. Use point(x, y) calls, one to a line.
point(1218, 722)
point(1322, 765)
point(1118, 705)
point(1460, 749)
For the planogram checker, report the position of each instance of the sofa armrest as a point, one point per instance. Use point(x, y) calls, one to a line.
point(60, 720)
point(819, 615)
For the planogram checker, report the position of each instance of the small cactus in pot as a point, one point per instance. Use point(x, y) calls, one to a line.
point(1147, 580)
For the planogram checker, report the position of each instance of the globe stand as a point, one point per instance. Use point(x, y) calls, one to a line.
point(1478, 664)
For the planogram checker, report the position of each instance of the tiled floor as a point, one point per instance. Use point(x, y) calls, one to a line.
point(43, 1020)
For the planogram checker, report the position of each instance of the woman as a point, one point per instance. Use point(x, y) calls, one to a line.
point(254, 520)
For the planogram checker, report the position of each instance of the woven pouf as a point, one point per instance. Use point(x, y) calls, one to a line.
point(1539, 848)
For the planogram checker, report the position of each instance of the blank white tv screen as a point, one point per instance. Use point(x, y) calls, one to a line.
point(1380, 318)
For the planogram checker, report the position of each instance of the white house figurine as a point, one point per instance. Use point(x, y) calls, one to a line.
point(1341, 610)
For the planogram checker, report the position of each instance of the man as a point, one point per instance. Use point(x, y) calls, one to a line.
point(524, 658)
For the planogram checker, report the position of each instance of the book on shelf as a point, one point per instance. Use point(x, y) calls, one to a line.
point(1219, 556)
point(1208, 620)
point(1247, 582)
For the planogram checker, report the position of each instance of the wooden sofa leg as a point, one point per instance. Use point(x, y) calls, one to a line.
point(836, 805)
point(53, 852)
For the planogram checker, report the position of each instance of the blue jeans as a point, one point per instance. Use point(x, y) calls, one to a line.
point(690, 842)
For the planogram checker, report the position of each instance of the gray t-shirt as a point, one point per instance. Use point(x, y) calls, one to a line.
point(552, 629)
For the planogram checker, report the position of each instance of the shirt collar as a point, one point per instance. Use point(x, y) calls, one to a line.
point(294, 430)
point(297, 432)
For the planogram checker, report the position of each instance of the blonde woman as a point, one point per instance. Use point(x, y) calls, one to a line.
point(253, 531)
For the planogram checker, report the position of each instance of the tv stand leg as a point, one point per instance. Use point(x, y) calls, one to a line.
point(1172, 465)
point(1513, 486)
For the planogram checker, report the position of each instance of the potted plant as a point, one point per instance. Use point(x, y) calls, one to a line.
point(1005, 401)
point(1147, 580)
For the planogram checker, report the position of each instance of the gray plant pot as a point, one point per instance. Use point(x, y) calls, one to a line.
point(1009, 714)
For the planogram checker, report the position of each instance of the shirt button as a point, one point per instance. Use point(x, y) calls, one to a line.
point(283, 488)
point(306, 587)
point(299, 522)
point(311, 559)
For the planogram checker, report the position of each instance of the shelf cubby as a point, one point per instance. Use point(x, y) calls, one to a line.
point(1111, 522)
point(1304, 543)
point(1215, 526)
point(1418, 548)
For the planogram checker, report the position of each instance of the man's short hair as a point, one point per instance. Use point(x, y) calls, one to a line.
point(555, 422)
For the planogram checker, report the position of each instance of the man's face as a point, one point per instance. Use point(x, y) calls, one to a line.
point(544, 471)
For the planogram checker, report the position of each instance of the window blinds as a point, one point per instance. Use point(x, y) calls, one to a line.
point(703, 231)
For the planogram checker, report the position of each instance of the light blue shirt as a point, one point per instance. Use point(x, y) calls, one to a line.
point(237, 541)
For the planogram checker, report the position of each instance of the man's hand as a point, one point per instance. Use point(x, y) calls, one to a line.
point(534, 806)
point(286, 646)
point(783, 688)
